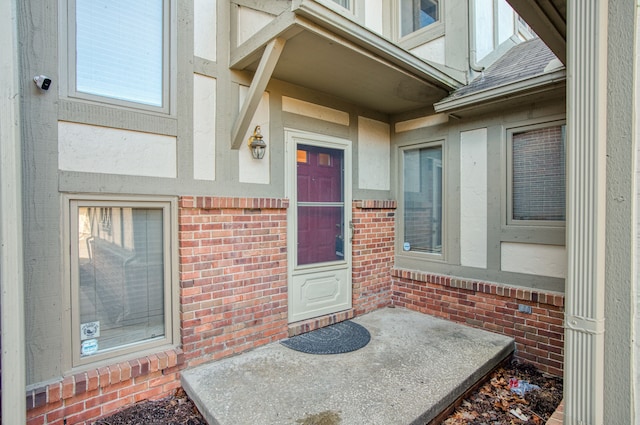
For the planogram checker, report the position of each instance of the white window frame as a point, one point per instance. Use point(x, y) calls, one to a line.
point(351, 7)
point(420, 36)
point(438, 257)
point(171, 336)
point(67, 31)
point(354, 12)
point(509, 220)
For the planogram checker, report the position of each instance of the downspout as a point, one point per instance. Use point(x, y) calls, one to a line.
point(11, 257)
point(472, 38)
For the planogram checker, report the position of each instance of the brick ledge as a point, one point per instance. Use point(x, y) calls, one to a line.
point(309, 325)
point(543, 297)
point(375, 204)
point(214, 202)
point(102, 377)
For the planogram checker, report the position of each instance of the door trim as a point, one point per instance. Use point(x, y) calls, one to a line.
point(292, 138)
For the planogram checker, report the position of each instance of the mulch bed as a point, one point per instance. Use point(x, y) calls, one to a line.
point(175, 410)
point(494, 403)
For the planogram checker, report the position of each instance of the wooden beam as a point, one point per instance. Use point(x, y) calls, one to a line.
point(260, 80)
point(11, 256)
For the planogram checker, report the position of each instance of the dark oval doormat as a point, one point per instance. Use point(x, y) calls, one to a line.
point(342, 337)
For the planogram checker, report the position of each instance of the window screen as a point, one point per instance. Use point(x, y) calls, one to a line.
point(416, 14)
point(120, 49)
point(120, 262)
point(423, 200)
point(538, 174)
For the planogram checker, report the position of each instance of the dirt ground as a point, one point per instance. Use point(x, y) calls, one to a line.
point(494, 403)
point(175, 410)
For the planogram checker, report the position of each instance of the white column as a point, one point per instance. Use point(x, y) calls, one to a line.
point(586, 190)
point(11, 267)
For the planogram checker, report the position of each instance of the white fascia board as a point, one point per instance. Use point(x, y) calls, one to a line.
point(537, 84)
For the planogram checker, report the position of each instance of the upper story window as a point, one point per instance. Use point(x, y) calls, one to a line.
point(118, 52)
point(344, 3)
point(417, 14)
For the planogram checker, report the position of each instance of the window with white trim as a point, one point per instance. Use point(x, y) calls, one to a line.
point(119, 52)
point(536, 166)
point(422, 199)
point(417, 14)
point(121, 277)
point(344, 3)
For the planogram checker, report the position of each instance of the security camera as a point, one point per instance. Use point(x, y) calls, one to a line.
point(42, 81)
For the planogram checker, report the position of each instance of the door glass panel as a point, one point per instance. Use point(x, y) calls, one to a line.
point(320, 234)
point(320, 205)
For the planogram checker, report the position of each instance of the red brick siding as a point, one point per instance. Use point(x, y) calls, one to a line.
point(233, 275)
point(373, 254)
point(233, 297)
point(539, 336)
point(87, 396)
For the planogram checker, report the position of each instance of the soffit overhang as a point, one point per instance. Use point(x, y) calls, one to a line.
point(327, 52)
point(548, 19)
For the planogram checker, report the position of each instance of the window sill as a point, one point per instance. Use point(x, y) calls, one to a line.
point(422, 36)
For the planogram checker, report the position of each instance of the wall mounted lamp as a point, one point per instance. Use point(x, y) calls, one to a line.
point(256, 144)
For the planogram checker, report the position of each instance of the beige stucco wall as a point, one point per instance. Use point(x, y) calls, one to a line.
point(204, 127)
point(473, 198)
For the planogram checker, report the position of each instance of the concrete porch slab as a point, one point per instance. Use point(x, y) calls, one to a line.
point(414, 367)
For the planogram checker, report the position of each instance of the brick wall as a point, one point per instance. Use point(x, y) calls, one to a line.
point(539, 335)
point(233, 297)
point(87, 396)
point(373, 254)
point(233, 275)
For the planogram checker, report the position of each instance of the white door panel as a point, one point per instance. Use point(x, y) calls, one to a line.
point(319, 293)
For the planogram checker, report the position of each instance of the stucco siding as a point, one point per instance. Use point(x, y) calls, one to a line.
point(204, 127)
point(255, 170)
point(543, 260)
point(431, 51)
point(421, 122)
point(473, 198)
point(374, 141)
point(250, 21)
point(204, 29)
point(312, 110)
point(373, 15)
point(95, 149)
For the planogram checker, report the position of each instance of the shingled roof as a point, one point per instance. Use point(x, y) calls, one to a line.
point(525, 60)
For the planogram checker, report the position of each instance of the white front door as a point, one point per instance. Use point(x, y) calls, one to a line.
point(319, 236)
